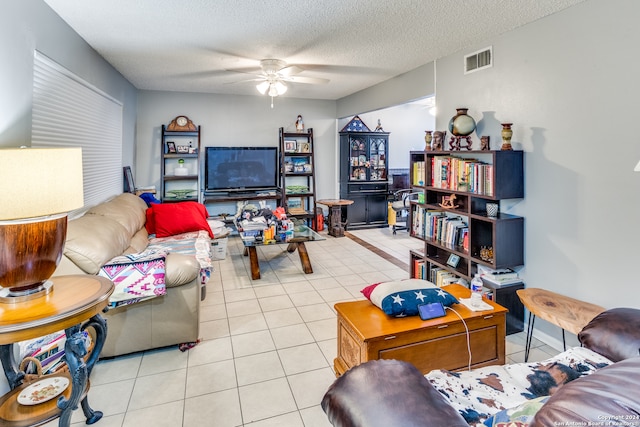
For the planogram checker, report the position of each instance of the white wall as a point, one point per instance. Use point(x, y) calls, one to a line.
point(28, 25)
point(230, 120)
point(406, 124)
point(568, 82)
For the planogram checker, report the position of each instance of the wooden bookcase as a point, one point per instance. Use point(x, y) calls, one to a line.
point(502, 178)
point(298, 174)
point(174, 187)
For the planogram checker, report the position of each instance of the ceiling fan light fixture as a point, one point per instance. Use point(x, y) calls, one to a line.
point(262, 87)
point(280, 87)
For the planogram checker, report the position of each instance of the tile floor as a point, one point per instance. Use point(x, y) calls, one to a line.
point(267, 346)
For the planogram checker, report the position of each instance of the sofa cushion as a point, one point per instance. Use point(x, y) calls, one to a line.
point(127, 209)
point(401, 298)
point(387, 393)
point(614, 333)
point(608, 397)
point(92, 240)
point(139, 242)
point(177, 218)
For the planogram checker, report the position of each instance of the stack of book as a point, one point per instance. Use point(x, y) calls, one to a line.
point(499, 277)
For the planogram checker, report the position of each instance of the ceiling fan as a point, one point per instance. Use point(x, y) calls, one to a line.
point(274, 76)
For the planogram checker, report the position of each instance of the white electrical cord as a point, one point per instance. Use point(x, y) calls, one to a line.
point(468, 340)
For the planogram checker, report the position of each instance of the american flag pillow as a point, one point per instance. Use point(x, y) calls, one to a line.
point(402, 298)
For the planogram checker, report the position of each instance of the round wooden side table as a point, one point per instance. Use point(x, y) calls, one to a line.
point(74, 303)
point(336, 227)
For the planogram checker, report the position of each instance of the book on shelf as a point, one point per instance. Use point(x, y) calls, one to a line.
point(418, 173)
point(461, 174)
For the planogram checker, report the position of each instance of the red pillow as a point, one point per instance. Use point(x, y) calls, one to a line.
point(150, 223)
point(177, 218)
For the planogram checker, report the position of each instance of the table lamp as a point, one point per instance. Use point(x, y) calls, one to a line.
point(39, 187)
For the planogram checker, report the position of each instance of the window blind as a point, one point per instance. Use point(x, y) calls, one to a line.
point(70, 112)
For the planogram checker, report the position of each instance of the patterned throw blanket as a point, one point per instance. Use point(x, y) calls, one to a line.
point(196, 243)
point(482, 392)
point(137, 277)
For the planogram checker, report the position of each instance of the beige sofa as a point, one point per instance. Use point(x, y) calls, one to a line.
point(114, 228)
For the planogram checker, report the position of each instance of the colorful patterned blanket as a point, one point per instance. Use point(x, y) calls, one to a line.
point(137, 277)
point(480, 393)
point(196, 243)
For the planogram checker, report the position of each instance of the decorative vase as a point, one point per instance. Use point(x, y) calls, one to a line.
point(427, 140)
point(462, 124)
point(506, 133)
point(492, 210)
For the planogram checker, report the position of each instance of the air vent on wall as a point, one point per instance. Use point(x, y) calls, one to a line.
point(478, 60)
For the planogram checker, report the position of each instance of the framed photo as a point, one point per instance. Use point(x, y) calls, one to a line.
point(453, 260)
point(171, 147)
point(290, 146)
point(294, 202)
point(183, 149)
point(304, 147)
point(129, 186)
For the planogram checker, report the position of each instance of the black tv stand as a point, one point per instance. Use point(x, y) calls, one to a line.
point(234, 196)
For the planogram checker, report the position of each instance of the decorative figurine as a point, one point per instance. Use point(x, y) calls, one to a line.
point(438, 140)
point(427, 140)
point(484, 143)
point(379, 127)
point(448, 202)
point(299, 124)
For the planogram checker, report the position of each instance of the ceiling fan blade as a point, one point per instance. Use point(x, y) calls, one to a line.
point(291, 70)
point(257, 79)
point(307, 80)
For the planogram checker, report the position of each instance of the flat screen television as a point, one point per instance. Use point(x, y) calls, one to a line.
point(241, 168)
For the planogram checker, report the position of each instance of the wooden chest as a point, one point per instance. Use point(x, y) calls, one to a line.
point(366, 333)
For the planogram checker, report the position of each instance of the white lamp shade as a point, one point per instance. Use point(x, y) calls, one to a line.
point(262, 87)
point(40, 181)
point(637, 168)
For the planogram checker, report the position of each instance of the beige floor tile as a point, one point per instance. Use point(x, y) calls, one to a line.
point(165, 415)
point(284, 317)
point(306, 298)
point(315, 312)
point(330, 349)
point(258, 367)
point(252, 343)
point(158, 389)
point(278, 302)
point(314, 417)
point(242, 308)
point(116, 369)
point(323, 329)
point(212, 312)
point(297, 286)
point(220, 409)
point(212, 377)
point(214, 329)
point(248, 323)
point(309, 387)
point(163, 360)
point(269, 290)
point(302, 358)
point(210, 351)
point(292, 419)
point(111, 399)
point(289, 336)
point(265, 400)
point(335, 294)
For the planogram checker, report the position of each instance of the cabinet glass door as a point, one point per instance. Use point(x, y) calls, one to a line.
point(358, 158)
point(378, 159)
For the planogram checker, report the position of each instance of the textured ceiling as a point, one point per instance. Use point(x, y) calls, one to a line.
point(189, 45)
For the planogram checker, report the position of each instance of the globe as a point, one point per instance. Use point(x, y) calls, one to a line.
point(461, 124)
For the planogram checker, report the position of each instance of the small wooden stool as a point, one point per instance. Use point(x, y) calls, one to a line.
point(565, 312)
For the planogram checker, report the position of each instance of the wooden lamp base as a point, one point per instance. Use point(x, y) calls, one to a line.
point(31, 252)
